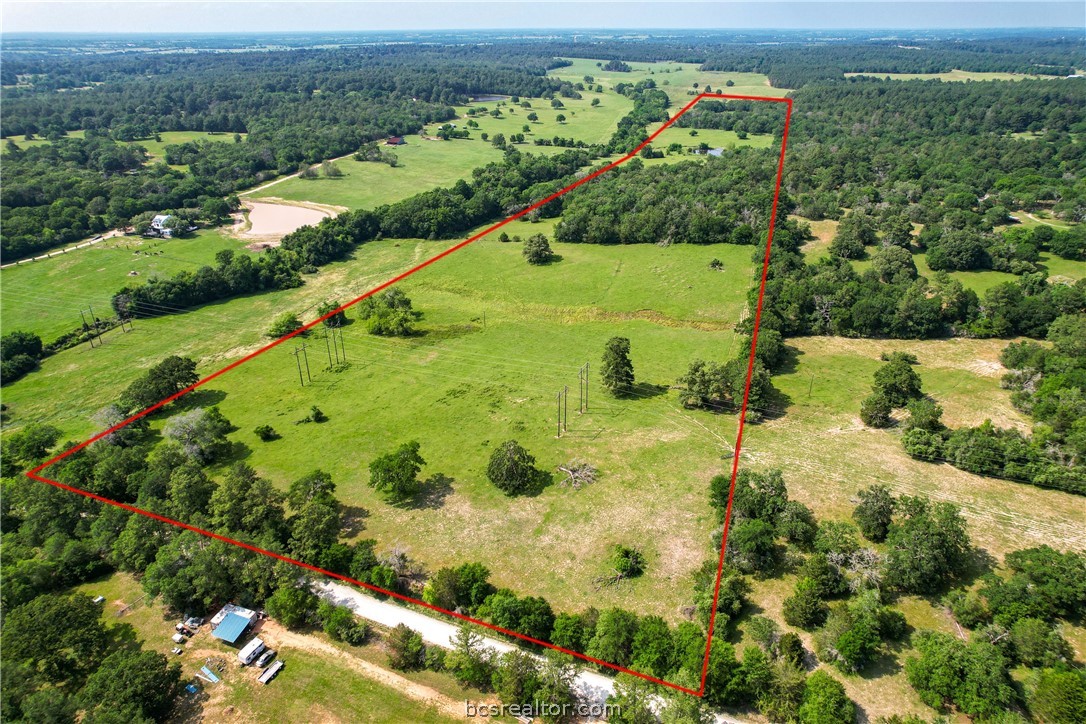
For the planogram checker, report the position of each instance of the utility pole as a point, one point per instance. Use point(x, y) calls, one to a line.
point(565, 406)
point(342, 345)
point(86, 327)
point(582, 377)
point(306, 357)
point(328, 346)
point(97, 328)
point(301, 351)
point(559, 399)
point(301, 380)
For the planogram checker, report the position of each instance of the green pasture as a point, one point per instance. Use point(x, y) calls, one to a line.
point(676, 79)
point(716, 138)
point(584, 122)
point(423, 165)
point(499, 340)
point(827, 454)
point(155, 148)
point(981, 281)
point(24, 144)
point(45, 296)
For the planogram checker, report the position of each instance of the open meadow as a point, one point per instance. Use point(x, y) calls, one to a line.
point(45, 297)
point(675, 79)
point(499, 340)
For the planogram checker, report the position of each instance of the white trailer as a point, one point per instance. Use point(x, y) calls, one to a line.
point(250, 651)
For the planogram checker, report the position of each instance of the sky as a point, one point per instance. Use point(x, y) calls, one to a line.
point(235, 16)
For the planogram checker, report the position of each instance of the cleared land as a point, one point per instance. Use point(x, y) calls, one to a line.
point(583, 121)
point(423, 165)
point(827, 454)
point(271, 220)
point(156, 148)
point(675, 79)
point(956, 75)
point(353, 682)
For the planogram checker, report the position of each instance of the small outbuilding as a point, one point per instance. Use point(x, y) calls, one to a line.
point(395, 141)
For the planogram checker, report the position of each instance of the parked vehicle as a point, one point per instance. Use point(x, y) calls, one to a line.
point(178, 638)
point(271, 672)
point(178, 650)
point(265, 658)
point(250, 651)
point(193, 622)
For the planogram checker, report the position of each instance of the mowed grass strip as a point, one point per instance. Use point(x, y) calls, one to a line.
point(957, 76)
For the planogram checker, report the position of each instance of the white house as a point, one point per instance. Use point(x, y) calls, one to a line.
point(159, 223)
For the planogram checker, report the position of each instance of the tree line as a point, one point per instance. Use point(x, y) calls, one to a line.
point(296, 107)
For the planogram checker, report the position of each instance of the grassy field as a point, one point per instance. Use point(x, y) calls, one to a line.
point(827, 454)
point(955, 75)
point(45, 297)
point(675, 79)
point(716, 138)
point(423, 165)
point(979, 281)
point(584, 122)
point(461, 388)
point(318, 683)
point(156, 148)
point(21, 141)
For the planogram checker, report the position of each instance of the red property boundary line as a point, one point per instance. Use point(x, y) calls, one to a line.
point(35, 473)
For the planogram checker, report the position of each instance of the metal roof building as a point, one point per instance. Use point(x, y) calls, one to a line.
point(230, 623)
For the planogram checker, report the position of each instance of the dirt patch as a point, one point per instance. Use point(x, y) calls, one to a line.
point(986, 368)
point(267, 221)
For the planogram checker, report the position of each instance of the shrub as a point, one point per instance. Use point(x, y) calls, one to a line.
point(266, 433)
point(804, 609)
point(923, 445)
point(825, 701)
point(512, 469)
point(405, 649)
point(874, 513)
point(291, 606)
point(627, 562)
point(537, 250)
point(283, 325)
point(875, 410)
